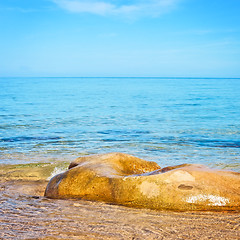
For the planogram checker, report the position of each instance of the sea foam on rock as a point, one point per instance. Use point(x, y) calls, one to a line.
point(127, 180)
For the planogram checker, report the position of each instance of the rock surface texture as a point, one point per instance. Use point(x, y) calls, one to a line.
point(124, 179)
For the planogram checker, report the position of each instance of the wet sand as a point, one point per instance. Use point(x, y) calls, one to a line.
point(26, 214)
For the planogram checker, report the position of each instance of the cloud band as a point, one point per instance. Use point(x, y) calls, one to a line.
point(105, 8)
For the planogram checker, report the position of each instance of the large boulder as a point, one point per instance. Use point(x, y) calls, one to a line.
point(123, 179)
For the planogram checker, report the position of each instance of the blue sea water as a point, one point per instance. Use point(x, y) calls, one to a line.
point(167, 120)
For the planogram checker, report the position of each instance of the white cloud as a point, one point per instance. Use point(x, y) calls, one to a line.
point(136, 8)
point(101, 8)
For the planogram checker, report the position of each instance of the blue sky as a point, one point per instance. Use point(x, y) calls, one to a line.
point(156, 38)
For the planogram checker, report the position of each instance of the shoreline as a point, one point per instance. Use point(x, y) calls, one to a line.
point(27, 215)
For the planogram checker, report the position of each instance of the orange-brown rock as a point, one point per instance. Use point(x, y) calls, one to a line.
point(123, 179)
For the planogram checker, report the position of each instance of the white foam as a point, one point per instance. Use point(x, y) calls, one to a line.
point(56, 171)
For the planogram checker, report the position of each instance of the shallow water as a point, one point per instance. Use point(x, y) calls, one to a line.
point(168, 120)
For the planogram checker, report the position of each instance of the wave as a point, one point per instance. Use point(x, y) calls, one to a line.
point(26, 138)
point(202, 142)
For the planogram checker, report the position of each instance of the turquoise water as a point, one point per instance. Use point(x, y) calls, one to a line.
point(167, 120)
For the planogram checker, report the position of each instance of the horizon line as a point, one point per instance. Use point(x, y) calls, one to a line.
point(120, 77)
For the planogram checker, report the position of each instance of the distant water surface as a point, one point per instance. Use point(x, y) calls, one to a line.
point(167, 120)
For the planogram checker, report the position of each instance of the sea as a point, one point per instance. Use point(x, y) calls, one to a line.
point(167, 120)
point(45, 123)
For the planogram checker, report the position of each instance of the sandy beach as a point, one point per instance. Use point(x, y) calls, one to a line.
point(26, 214)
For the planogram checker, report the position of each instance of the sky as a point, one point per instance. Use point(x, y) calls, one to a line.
point(124, 38)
